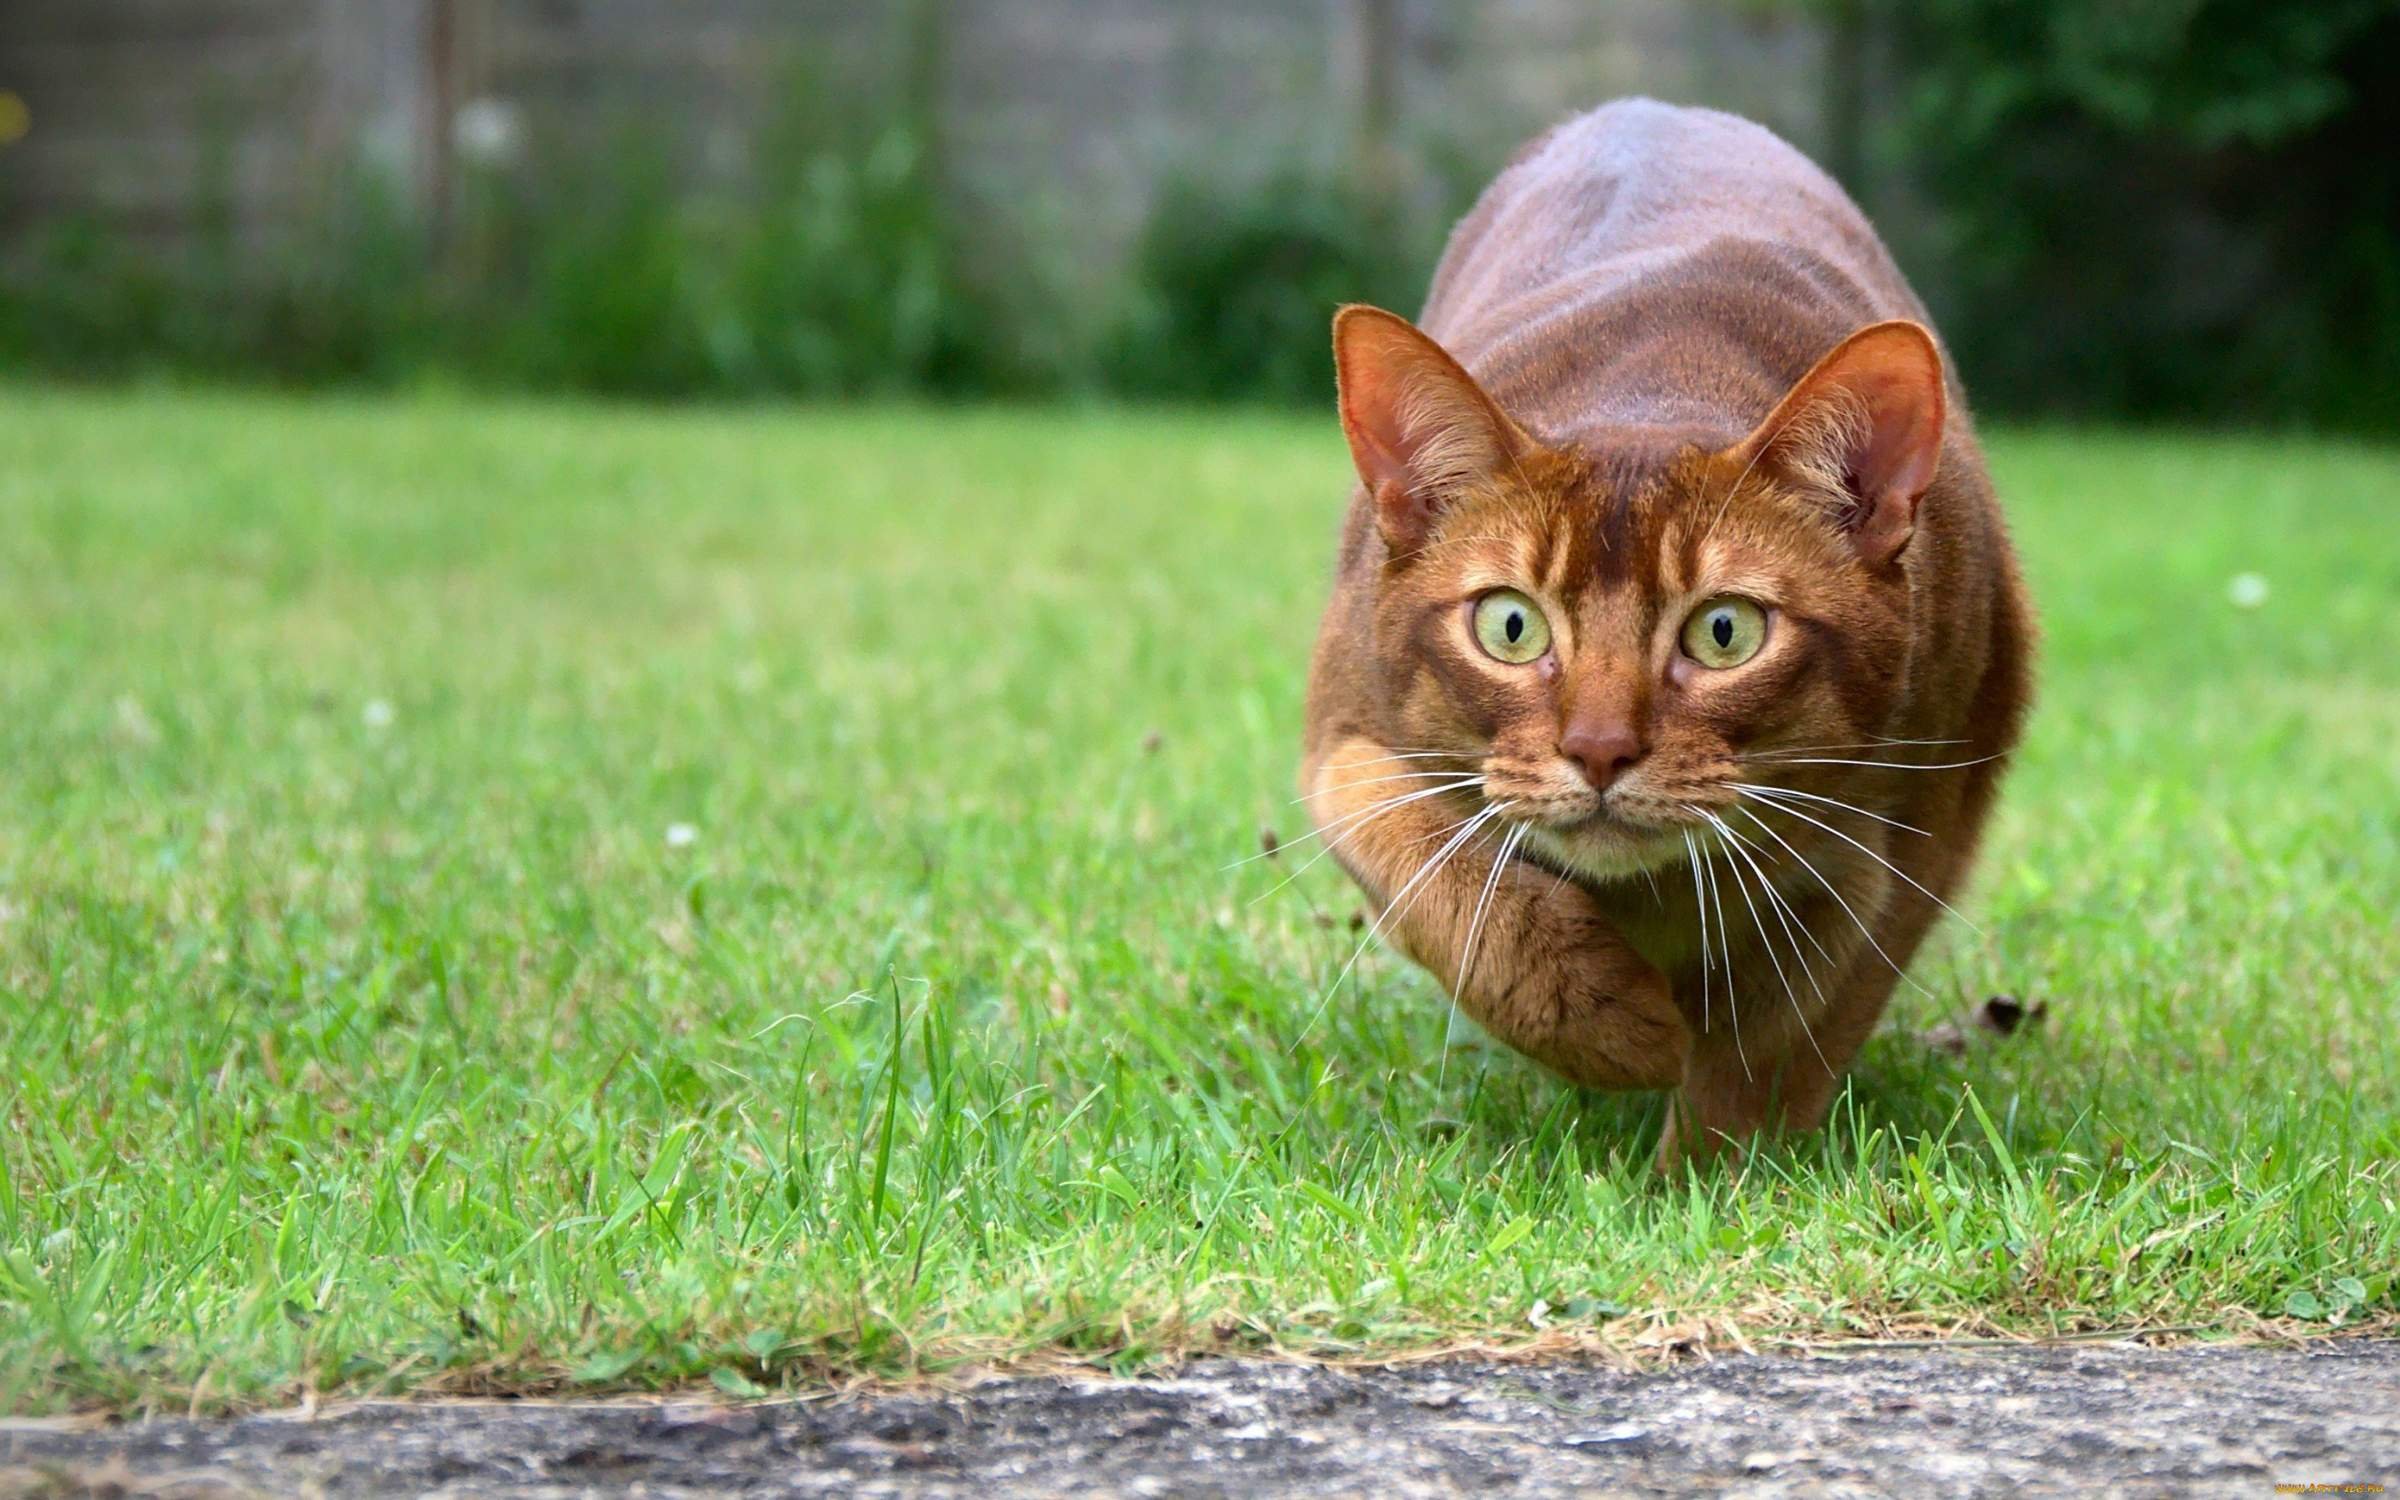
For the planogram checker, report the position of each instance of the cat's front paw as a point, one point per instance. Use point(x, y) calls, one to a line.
point(1579, 1000)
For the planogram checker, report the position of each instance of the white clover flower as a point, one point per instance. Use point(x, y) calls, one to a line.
point(682, 835)
point(2247, 590)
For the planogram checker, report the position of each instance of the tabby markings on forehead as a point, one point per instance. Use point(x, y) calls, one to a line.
point(1723, 577)
point(1674, 572)
point(1556, 555)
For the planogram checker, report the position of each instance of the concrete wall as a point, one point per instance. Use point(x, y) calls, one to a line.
point(1059, 116)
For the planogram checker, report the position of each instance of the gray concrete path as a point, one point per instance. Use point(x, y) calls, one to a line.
point(2082, 1420)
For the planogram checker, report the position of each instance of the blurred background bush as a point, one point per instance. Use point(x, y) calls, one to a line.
point(2146, 208)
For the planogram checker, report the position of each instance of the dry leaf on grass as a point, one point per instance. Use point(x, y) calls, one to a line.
point(1998, 1016)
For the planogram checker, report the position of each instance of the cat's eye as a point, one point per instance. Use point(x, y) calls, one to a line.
point(1724, 632)
point(1511, 627)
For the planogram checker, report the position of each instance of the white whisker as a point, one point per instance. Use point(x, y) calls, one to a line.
point(1483, 905)
point(1415, 884)
point(1708, 960)
point(1351, 816)
point(1768, 887)
point(1833, 891)
point(1378, 781)
point(1851, 745)
point(1785, 791)
point(1875, 765)
point(1741, 888)
point(1879, 859)
point(1377, 760)
point(1491, 883)
point(1733, 1000)
point(1370, 815)
point(1831, 963)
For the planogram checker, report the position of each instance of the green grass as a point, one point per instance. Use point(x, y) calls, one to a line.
point(345, 1053)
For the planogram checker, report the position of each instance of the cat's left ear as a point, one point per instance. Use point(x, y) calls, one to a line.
point(1421, 431)
point(1865, 425)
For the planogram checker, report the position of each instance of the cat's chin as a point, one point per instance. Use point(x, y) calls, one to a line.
point(1607, 849)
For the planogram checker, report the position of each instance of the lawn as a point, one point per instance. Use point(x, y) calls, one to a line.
point(511, 897)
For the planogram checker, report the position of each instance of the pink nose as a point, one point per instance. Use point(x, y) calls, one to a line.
point(1601, 751)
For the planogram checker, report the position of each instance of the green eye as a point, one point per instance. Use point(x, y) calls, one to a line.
point(1510, 627)
point(1724, 632)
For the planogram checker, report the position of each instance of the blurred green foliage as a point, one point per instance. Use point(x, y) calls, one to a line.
point(2154, 208)
point(2157, 207)
point(837, 273)
point(1233, 289)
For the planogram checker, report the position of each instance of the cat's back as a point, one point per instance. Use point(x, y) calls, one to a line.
point(1651, 250)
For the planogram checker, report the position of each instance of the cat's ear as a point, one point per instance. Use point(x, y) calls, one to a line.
point(1421, 430)
point(1864, 425)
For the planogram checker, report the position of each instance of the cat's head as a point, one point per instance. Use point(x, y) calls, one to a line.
point(1616, 633)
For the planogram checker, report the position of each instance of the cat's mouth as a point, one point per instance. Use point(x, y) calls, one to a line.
point(1636, 826)
point(1606, 841)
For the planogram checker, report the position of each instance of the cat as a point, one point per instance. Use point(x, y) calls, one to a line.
point(1676, 647)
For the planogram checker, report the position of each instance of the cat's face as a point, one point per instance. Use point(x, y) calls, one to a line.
point(1607, 660)
point(1612, 640)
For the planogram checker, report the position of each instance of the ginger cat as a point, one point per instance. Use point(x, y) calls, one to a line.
point(1677, 647)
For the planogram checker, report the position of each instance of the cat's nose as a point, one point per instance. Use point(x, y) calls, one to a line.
point(1601, 751)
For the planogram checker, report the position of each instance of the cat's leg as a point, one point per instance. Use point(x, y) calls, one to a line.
point(1774, 1080)
point(1790, 1066)
point(1548, 974)
point(1798, 1011)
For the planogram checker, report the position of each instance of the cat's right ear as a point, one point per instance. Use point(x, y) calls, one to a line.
point(1864, 426)
point(1421, 430)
